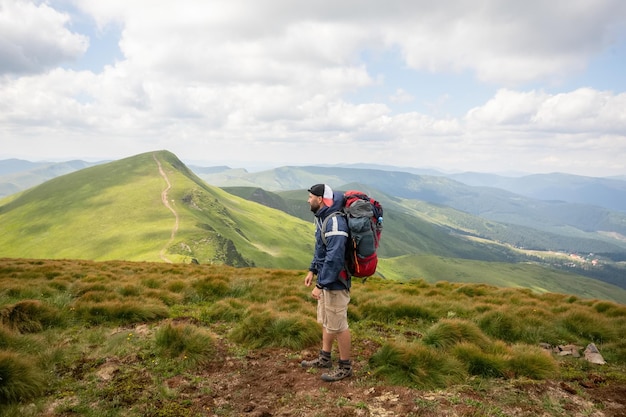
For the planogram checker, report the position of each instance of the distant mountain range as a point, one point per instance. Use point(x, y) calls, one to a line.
point(604, 192)
point(574, 220)
point(128, 209)
point(17, 175)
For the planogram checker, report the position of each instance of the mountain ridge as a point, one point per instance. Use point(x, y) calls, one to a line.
point(609, 192)
point(117, 207)
point(116, 211)
point(487, 202)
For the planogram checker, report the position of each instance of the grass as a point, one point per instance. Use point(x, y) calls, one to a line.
point(433, 268)
point(20, 378)
point(114, 211)
point(263, 327)
point(186, 342)
point(95, 338)
point(416, 365)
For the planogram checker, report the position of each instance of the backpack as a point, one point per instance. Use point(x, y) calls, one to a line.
point(365, 225)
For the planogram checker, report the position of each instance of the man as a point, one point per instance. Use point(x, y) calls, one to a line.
point(332, 287)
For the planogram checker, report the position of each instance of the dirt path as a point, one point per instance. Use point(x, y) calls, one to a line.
point(166, 203)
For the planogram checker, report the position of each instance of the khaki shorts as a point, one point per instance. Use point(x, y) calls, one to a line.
point(332, 310)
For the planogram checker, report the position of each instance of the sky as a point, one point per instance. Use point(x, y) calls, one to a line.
point(500, 86)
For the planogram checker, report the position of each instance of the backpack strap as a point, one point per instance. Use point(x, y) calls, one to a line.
point(325, 222)
point(345, 275)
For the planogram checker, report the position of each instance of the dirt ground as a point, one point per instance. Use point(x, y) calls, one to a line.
point(272, 383)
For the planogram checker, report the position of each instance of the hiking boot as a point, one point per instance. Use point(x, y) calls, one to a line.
point(319, 362)
point(338, 374)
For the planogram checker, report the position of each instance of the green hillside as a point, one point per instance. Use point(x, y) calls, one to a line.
point(151, 207)
point(570, 226)
point(149, 339)
point(17, 175)
point(438, 243)
point(405, 233)
point(432, 269)
point(116, 211)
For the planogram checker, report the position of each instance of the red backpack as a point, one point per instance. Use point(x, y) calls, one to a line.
point(365, 225)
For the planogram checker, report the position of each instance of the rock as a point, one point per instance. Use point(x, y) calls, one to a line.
point(563, 350)
point(592, 354)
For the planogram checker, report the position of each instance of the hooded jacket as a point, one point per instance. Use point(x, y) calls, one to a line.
point(329, 259)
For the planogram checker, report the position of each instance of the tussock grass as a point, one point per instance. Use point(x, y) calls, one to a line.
point(532, 362)
point(176, 286)
point(480, 362)
point(20, 378)
point(610, 309)
point(586, 324)
point(227, 309)
point(119, 312)
point(187, 342)
point(264, 327)
point(537, 325)
point(449, 332)
point(163, 321)
point(166, 297)
point(211, 288)
point(291, 304)
point(416, 365)
point(7, 337)
point(393, 310)
point(502, 324)
point(615, 352)
point(30, 316)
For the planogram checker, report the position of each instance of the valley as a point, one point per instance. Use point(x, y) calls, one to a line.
point(232, 217)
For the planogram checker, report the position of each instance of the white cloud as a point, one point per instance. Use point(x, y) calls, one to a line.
point(499, 41)
point(507, 42)
point(401, 96)
point(507, 107)
point(238, 81)
point(34, 38)
point(582, 110)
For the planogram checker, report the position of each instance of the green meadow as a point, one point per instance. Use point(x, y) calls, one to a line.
point(115, 211)
point(432, 268)
point(120, 338)
point(105, 312)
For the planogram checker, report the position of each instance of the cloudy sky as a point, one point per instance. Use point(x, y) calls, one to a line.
point(487, 85)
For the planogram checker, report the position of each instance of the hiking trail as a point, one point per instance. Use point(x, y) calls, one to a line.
point(166, 203)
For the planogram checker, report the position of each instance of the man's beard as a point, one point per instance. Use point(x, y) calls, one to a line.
point(315, 207)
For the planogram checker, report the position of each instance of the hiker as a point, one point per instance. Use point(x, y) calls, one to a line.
point(332, 287)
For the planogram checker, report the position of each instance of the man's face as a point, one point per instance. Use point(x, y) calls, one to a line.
point(315, 202)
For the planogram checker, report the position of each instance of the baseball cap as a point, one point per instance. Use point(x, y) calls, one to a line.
point(324, 191)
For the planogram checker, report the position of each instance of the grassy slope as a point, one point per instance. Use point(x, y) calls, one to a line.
point(417, 243)
point(150, 339)
point(434, 268)
point(114, 211)
point(91, 214)
point(407, 231)
point(489, 203)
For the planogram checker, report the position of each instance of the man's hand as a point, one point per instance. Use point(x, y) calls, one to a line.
point(316, 293)
point(308, 280)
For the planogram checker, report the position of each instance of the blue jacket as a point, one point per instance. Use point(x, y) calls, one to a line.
point(329, 259)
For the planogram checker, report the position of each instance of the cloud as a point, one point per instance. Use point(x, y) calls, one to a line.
point(240, 81)
point(34, 38)
point(274, 41)
point(505, 42)
point(401, 96)
point(582, 110)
